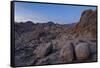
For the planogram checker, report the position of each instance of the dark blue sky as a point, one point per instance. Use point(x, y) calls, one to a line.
point(42, 13)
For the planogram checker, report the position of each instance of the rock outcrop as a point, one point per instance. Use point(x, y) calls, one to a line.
point(87, 26)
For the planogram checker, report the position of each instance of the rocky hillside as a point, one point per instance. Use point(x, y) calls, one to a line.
point(87, 25)
point(50, 43)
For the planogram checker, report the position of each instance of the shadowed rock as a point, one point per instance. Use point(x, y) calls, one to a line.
point(43, 50)
point(51, 59)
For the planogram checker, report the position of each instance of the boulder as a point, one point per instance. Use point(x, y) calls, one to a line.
point(82, 51)
point(66, 54)
point(43, 50)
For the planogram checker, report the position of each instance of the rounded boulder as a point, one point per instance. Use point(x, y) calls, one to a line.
point(82, 51)
point(66, 53)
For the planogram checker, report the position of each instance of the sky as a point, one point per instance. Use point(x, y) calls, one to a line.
point(42, 13)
